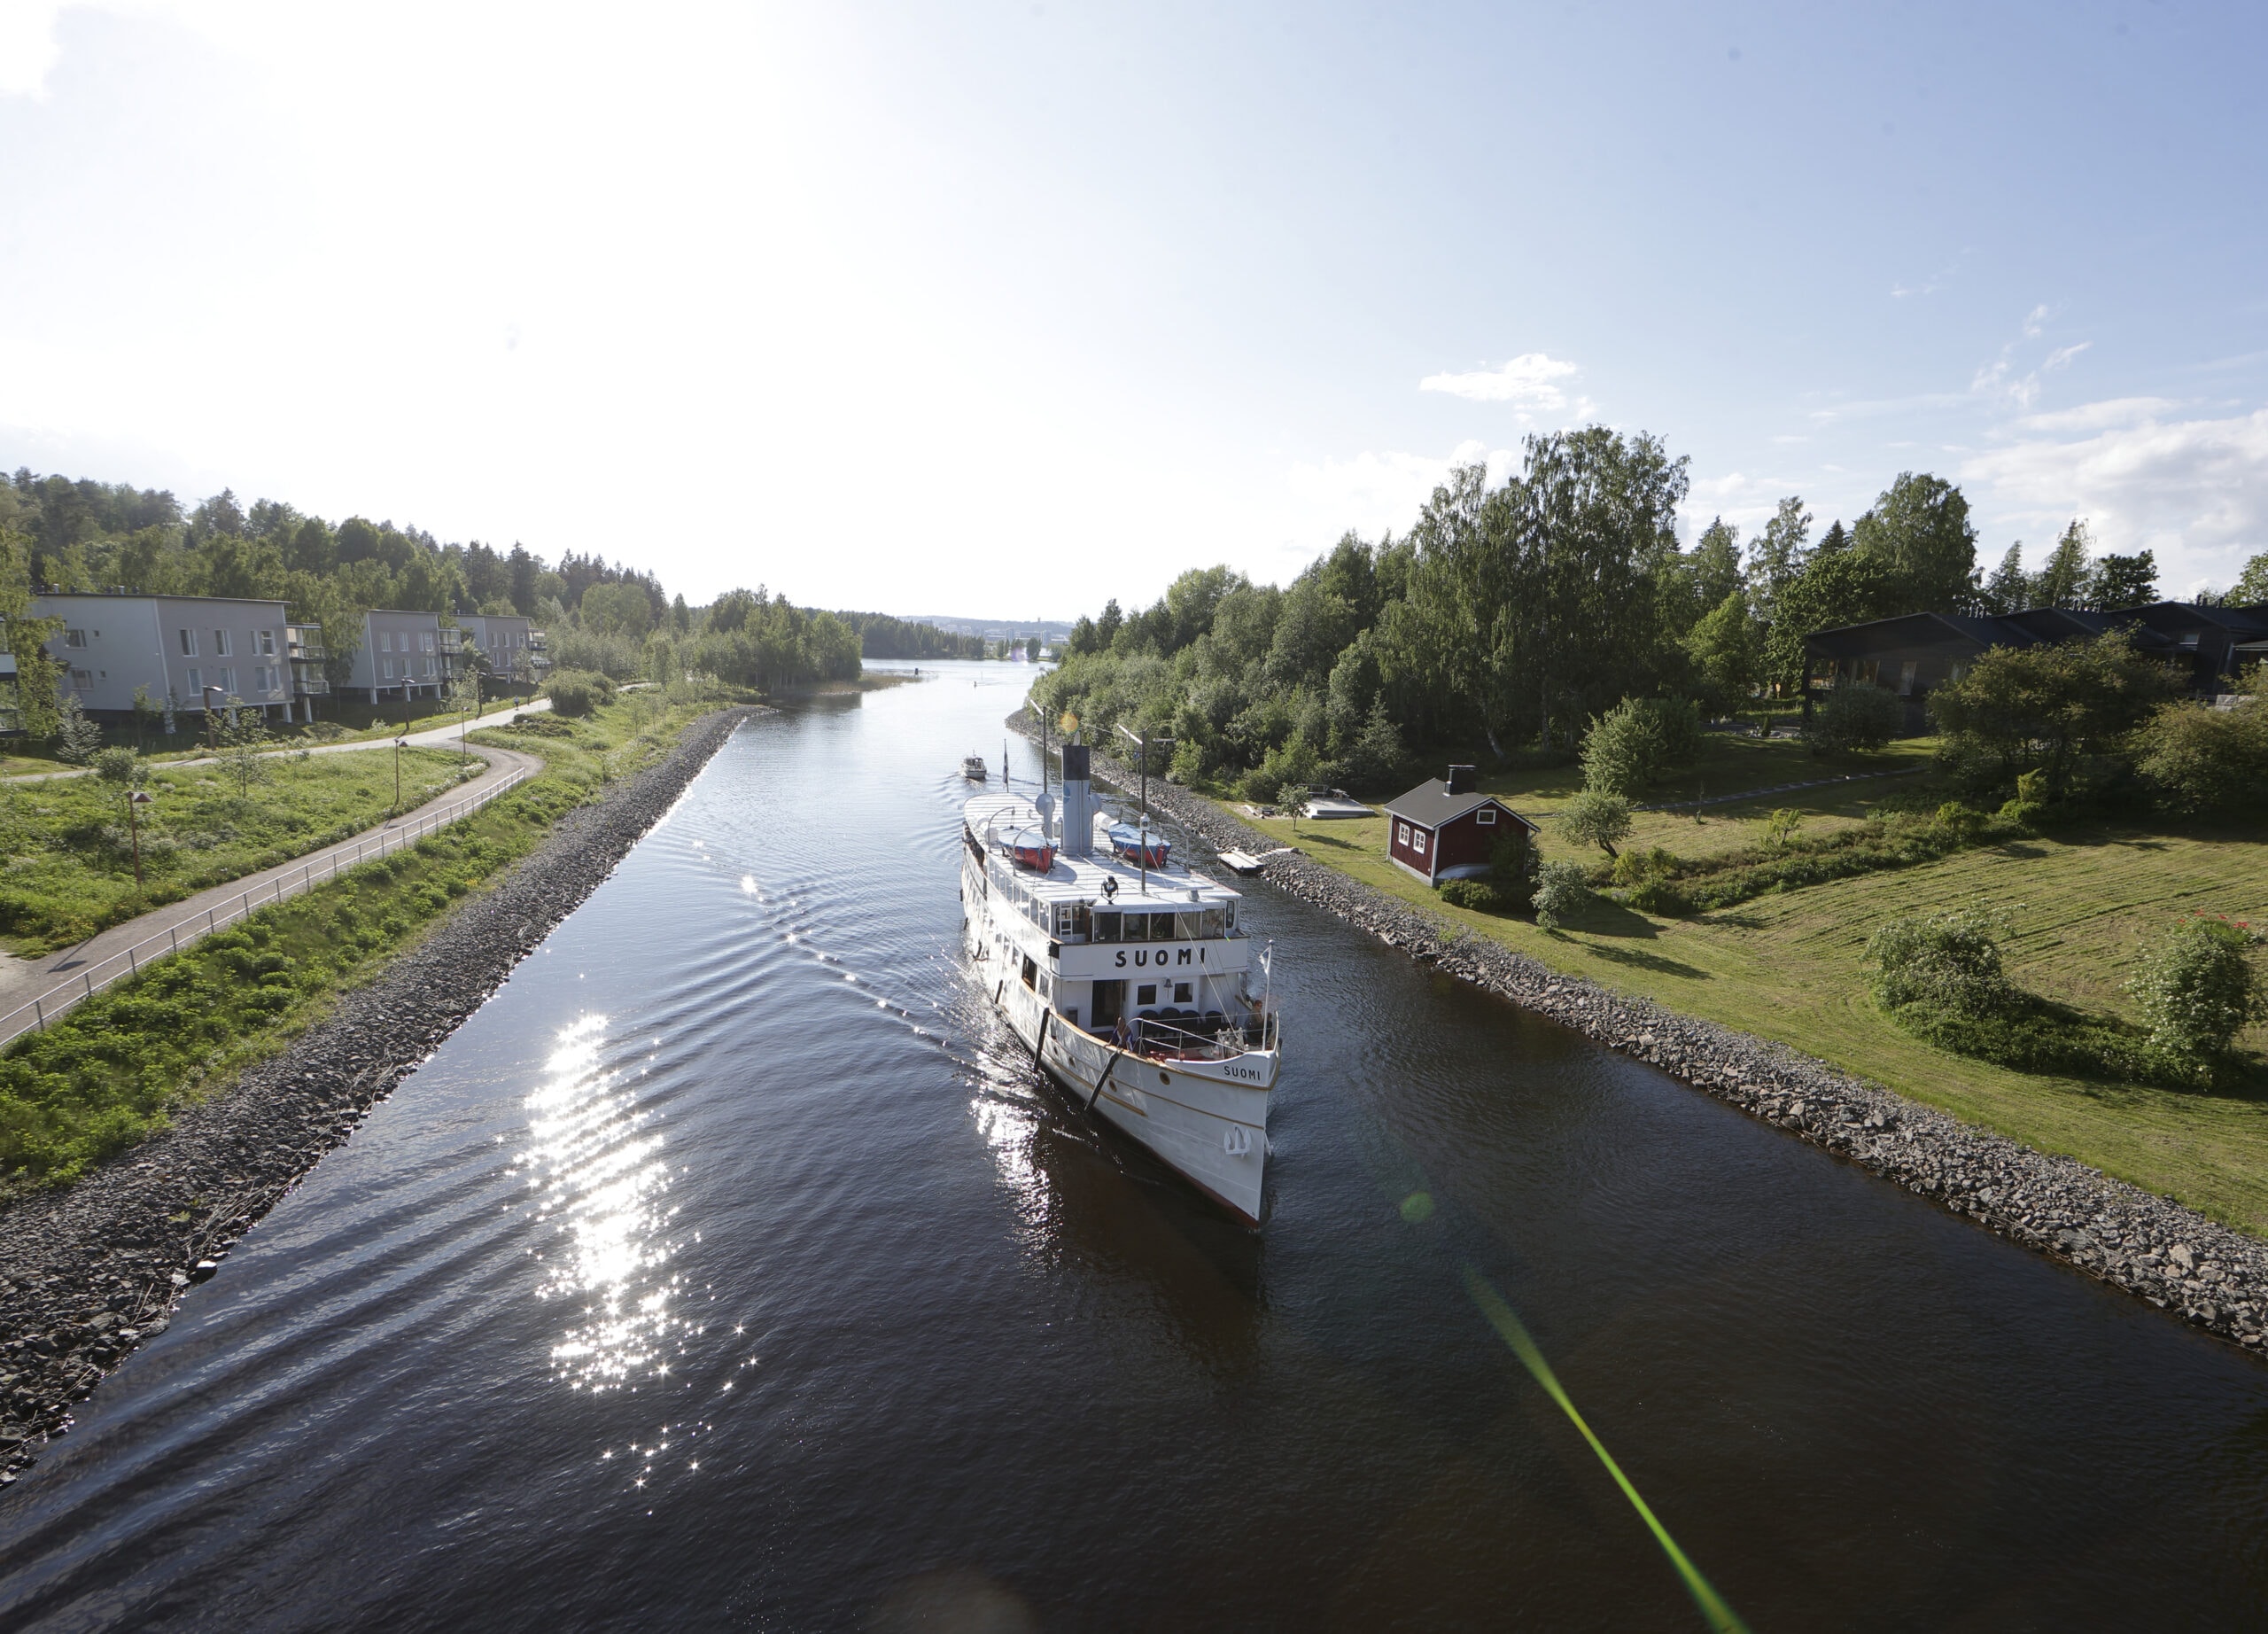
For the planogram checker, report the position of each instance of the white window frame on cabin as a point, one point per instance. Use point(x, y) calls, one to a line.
point(1418, 840)
point(1401, 834)
point(1486, 814)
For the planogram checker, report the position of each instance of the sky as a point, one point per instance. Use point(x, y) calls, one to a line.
point(999, 310)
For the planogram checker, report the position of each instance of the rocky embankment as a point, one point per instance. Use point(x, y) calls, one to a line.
point(87, 1273)
point(2211, 1276)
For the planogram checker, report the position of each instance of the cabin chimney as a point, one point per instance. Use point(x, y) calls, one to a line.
point(1078, 803)
point(1463, 780)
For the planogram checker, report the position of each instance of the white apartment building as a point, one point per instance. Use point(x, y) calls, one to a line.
point(188, 652)
point(403, 655)
point(512, 648)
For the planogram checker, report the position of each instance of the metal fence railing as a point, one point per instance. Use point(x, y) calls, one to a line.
point(58, 1000)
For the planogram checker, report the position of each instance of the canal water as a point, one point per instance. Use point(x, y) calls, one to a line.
point(731, 1269)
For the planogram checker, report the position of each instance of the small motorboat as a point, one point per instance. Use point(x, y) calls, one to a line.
point(972, 767)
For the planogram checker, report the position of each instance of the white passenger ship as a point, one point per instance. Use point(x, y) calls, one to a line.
point(1129, 977)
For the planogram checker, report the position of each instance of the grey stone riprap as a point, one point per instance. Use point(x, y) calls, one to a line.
point(89, 1272)
point(2209, 1274)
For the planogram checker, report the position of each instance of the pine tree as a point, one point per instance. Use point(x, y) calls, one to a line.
point(2010, 589)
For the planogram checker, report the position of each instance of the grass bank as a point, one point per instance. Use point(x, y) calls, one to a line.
point(2085, 903)
point(69, 869)
point(102, 1078)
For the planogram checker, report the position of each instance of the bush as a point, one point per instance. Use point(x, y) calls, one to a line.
point(2197, 988)
point(1512, 871)
point(1854, 717)
point(1560, 890)
point(1780, 828)
point(1637, 742)
point(579, 692)
point(2068, 709)
point(1945, 961)
point(1477, 894)
point(2202, 760)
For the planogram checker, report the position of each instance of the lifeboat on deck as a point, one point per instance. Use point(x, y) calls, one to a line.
point(1127, 842)
point(1030, 848)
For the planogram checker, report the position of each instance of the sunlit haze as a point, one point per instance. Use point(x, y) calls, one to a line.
point(1002, 309)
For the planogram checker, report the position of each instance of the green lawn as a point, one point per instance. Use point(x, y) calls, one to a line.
point(69, 869)
point(1786, 966)
point(101, 1078)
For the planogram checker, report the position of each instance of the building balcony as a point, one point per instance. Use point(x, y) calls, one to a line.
point(537, 641)
point(304, 642)
point(452, 642)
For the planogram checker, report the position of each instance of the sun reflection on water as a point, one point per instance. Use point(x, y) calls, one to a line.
point(600, 1183)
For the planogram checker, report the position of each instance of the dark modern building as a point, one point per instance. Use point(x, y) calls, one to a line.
point(1446, 829)
point(1912, 655)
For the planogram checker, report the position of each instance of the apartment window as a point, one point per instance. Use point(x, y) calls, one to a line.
point(75, 638)
point(196, 679)
point(1486, 815)
point(385, 669)
point(264, 642)
point(83, 679)
point(189, 651)
point(227, 683)
point(263, 678)
point(1906, 673)
point(425, 641)
point(222, 646)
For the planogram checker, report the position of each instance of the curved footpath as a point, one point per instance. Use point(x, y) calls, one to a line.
point(2216, 1278)
point(56, 975)
point(88, 1272)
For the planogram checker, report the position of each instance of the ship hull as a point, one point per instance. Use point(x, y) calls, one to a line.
point(1207, 1121)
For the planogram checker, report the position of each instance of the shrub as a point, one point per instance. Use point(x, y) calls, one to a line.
point(1635, 867)
point(579, 692)
point(2202, 760)
point(1854, 717)
point(1780, 828)
point(1945, 961)
point(1637, 742)
point(1560, 891)
point(1594, 818)
point(2066, 708)
point(2030, 803)
point(76, 737)
point(1959, 823)
point(2197, 988)
point(1476, 894)
point(1513, 870)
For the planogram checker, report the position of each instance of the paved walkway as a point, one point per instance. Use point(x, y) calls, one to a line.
point(430, 737)
point(57, 979)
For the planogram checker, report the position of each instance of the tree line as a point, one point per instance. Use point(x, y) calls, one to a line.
point(1515, 613)
point(610, 618)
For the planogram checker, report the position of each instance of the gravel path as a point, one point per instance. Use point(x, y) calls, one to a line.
point(2210, 1275)
point(88, 1272)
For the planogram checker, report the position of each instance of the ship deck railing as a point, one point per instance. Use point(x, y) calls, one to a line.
point(1217, 1037)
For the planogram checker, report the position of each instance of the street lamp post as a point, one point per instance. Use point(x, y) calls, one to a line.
point(211, 720)
point(134, 823)
point(399, 744)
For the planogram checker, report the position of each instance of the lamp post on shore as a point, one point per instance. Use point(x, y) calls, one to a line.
point(399, 744)
point(134, 801)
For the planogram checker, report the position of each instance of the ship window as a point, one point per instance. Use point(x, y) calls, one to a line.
point(1181, 993)
point(1147, 993)
point(1031, 971)
point(1107, 927)
point(1185, 926)
point(1212, 923)
point(1080, 920)
point(1229, 911)
point(1072, 1015)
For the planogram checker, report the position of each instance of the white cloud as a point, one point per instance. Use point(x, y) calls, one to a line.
point(2194, 490)
point(1527, 381)
point(27, 45)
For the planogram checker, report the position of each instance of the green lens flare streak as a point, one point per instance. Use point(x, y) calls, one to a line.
point(1514, 1332)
